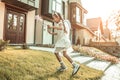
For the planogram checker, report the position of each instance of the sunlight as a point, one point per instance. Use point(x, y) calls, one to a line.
point(100, 8)
point(112, 26)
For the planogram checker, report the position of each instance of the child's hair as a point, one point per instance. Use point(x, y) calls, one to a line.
point(56, 14)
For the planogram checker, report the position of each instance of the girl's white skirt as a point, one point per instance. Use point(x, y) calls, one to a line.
point(62, 45)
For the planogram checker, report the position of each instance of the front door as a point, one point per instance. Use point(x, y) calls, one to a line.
point(15, 27)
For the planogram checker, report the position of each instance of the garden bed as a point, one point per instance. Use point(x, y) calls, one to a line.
point(98, 54)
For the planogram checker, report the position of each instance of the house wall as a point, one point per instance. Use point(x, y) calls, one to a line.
point(87, 37)
point(84, 36)
point(38, 32)
point(2, 12)
point(30, 25)
point(46, 38)
point(79, 35)
point(41, 34)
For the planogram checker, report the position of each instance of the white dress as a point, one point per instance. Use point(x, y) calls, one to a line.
point(63, 42)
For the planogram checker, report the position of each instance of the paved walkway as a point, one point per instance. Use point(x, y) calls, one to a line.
point(111, 71)
point(43, 48)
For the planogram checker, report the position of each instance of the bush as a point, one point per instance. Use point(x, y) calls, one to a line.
point(89, 51)
point(3, 44)
point(25, 46)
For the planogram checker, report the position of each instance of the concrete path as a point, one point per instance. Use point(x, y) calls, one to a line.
point(42, 49)
point(100, 65)
point(112, 73)
point(83, 59)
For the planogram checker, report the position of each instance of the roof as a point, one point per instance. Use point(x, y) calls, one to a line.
point(94, 23)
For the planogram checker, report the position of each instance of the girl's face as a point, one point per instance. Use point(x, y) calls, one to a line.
point(56, 18)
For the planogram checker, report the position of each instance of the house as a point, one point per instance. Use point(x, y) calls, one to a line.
point(95, 24)
point(71, 10)
point(17, 20)
point(81, 34)
point(46, 8)
point(107, 34)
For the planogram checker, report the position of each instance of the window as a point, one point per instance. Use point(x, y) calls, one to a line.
point(77, 14)
point(21, 23)
point(57, 6)
point(49, 6)
point(12, 21)
point(53, 7)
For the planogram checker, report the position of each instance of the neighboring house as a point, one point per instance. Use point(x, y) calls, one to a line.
point(81, 34)
point(17, 20)
point(107, 34)
point(95, 24)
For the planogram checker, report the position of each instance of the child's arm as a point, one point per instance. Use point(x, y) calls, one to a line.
point(60, 27)
point(57, 28)
point(50, 31)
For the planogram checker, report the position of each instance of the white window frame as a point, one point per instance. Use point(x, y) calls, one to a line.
point(57, 2)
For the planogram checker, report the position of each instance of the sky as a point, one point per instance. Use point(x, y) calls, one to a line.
point(100, 8)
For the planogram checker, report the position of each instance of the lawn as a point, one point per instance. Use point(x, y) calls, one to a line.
point(19, 64)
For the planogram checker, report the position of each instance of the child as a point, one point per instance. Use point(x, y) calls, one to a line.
point(63, 42)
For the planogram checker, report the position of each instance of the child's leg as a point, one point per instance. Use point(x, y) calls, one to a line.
point(62, 67)
point(58, 56)
point(75, 65)
point(67, 56)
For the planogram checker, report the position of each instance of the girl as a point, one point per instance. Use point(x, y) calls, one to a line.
point(63, 42)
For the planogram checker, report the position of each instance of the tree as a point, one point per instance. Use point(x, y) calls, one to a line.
point(117, 22)
point(114, 20)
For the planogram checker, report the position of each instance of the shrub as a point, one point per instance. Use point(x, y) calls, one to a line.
point(98, 55)
point(3, 44)
point(25, 46)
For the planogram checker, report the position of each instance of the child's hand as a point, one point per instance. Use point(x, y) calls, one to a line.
point(48, 26)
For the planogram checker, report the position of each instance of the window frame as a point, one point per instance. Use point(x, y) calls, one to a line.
point(56, 4)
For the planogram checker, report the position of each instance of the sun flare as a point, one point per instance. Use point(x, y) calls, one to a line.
point(100, 8)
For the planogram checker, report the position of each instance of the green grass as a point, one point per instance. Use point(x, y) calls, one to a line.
point(19, 64)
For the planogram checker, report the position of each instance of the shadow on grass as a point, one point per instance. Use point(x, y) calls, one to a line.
point(56, 75)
